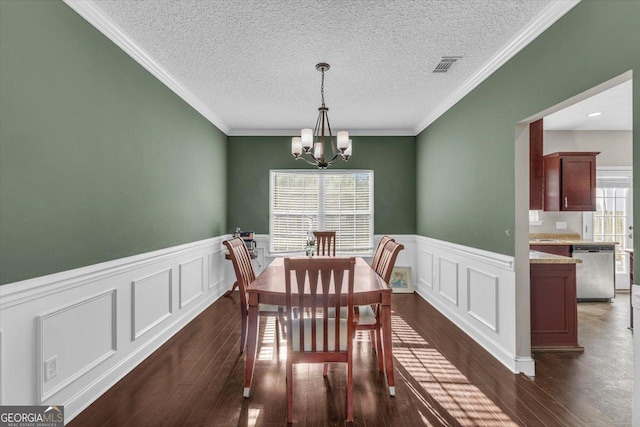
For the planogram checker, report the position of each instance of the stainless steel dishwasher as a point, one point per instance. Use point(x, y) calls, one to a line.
point(595, 276)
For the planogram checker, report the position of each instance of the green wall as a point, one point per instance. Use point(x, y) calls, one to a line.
point(98, 159)
point(391, 158)
point(465, 160)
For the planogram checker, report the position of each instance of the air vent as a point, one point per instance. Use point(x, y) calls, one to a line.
point(446, 63)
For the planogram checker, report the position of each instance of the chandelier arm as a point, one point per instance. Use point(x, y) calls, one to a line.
point(315, 135)
point(332, 142)
point(312, 163)
point(337, 158)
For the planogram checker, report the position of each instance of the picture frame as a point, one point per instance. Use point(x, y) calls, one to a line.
point(400, 281)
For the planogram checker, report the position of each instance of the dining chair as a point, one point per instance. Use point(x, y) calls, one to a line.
point(325, 242)
point(316, 336)
point(378, 252)
point(366, 316)
point(245, 274)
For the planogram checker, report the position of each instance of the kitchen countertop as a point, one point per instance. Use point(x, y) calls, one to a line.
point(563, 239)
point(536, 257)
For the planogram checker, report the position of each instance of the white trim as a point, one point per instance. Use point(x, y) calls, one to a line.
point(296, 132)
point(544, 20)
point(96, 17)
point(38, 287)
point(505, 262)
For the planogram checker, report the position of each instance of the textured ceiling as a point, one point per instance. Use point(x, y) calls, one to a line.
point(615, 104)
point(252, 62)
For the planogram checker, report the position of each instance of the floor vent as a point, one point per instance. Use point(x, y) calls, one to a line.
point(446, 63)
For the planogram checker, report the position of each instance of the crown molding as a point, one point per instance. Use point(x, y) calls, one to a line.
point(544, 20)
point(96, 17)
point(296, 132)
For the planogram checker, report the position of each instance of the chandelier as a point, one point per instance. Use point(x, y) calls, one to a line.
point(310, 145)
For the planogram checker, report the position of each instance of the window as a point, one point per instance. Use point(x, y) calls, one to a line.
point(340, 200)
point(613, 220)
point(610, 221)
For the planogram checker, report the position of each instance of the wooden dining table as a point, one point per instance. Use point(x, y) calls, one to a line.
point(269, 288)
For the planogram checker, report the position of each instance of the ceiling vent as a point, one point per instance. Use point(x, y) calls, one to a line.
point(446, 64)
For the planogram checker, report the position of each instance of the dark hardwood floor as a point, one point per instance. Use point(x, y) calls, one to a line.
point(442, 378)
point(598, 383)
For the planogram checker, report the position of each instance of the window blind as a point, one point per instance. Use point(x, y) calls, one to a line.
point(338, 200)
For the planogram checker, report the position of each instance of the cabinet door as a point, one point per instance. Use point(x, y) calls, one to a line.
point(564, 250)
point(578, 183)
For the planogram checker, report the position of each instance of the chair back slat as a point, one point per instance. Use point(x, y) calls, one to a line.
point(388, 259)
point(325, 242)
point(242, 266)
point(319, 285)
point(379, 250)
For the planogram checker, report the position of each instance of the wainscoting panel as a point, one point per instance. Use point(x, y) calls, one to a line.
point(482, 297)
point(94, 324)
point(191, 281)
point(425, 269)
point(475, 289)
point(151, 299)
point(448, 279)
point(75, 347)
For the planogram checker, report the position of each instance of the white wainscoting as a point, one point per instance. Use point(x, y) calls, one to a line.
point(101, 321)
point(475, 289)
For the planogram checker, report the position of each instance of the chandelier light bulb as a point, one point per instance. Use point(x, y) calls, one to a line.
point(307, 139)
point(318, 150)
point(343, 140)
point(296, 146)
point(348, 150)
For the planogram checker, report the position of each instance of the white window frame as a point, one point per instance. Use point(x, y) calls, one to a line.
point(364, 252)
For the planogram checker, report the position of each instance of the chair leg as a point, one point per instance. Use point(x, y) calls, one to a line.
point(325, 369)
point(372, 334)
point(379, 348)
point(282, 322)
point(243, 331)
point(277, 344)
point(289, 391)
point(349, 390)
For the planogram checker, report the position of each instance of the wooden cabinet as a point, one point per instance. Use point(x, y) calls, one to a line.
point(554, 312)
point(535, 165)
point(570, 181)
point(564, 250)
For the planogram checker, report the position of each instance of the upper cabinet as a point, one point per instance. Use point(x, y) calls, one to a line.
point(570, 181)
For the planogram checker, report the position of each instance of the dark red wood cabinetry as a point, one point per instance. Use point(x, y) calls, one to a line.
point(535, 165)
point(564, 250)
point(570, 181)
point(554, 314)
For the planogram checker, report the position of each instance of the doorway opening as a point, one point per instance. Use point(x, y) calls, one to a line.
point(608, 336)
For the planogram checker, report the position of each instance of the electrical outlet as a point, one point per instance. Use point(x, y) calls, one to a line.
point(50, 368)
point(561, 225)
